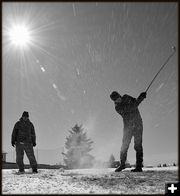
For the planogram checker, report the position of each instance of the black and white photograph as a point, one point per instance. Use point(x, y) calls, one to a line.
point(89, 97)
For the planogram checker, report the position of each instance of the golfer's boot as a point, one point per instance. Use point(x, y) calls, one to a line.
point(139, 160)
point(120, 168)
point(137, 169)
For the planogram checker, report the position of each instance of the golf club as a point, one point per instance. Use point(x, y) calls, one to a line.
point(174, 50)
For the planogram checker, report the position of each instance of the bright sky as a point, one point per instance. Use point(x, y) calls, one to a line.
point(72, 56)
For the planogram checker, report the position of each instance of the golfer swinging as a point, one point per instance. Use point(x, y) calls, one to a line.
point(127, 107)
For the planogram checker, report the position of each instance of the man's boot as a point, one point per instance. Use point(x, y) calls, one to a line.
point(123, 156)
point(137, 169)
point(34, 171)
point(120, 168)
point(139, 161)
point(21, 171)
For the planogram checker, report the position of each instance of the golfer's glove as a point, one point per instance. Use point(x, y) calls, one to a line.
point(13, 144)
point(34, 144)
point(143, 94)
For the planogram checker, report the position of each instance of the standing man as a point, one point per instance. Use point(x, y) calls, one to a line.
point(24, 138)
point(127, 107)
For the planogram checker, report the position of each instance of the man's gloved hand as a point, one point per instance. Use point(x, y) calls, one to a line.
point(13, 144)
point(34, 144)
point(143, 94)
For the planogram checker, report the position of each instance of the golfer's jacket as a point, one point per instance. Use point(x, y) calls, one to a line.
point(128, 108)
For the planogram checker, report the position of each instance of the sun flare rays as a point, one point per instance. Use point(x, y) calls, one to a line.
point(19, 35)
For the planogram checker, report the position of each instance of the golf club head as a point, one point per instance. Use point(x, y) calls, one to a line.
point(174, 48)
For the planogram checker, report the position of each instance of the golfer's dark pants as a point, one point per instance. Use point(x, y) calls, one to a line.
point(28, 148)
point(129, 131)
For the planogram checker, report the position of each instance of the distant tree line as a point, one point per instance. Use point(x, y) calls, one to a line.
point(166, 165)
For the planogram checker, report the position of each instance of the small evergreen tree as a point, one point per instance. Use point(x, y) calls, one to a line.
point(78, 147)
point(111, 161)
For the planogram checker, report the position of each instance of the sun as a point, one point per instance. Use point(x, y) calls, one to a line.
point(19, 36)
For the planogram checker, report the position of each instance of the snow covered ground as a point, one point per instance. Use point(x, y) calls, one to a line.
point(89, 181)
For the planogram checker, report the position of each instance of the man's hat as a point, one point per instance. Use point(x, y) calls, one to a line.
point(114, 95)
point(25, 114)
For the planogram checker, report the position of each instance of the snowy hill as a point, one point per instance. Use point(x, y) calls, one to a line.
point(87, 181)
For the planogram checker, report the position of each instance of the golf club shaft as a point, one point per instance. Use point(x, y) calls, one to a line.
point(161, 69)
